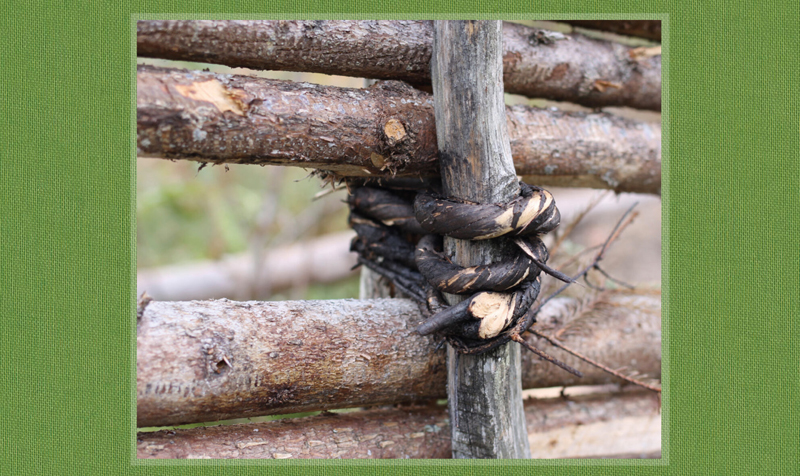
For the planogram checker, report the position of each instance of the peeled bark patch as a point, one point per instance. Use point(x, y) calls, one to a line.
point(495, 310)
point(213, 92)
point(394, 130)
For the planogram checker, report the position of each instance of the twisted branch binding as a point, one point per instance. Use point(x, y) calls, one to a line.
point(502, 294)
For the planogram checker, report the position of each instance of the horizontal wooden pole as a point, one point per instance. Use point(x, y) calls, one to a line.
point(324, 259)
point(650, 29)
point(217, 360)
point(597, 426)
point(387, 130)
point(576, 69)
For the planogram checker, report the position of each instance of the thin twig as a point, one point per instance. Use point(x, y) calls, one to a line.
point(542, 354)
point(561, 346)
point(575, 221)
point(620, 282)
point(621, 225)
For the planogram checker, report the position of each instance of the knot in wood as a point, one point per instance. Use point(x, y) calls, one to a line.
point(394, 130)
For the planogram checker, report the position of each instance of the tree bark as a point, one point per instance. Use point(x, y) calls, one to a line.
point(574, 69)
point(650, 29)
point(296, 356)
point(387, 130)
point(421, 432)
point(484, 391)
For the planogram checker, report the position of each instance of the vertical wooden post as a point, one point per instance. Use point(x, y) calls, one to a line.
point(484, 391)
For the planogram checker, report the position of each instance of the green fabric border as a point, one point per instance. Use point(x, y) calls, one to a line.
point(731, 181)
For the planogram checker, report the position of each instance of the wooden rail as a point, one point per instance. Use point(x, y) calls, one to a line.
point(215, 360)
point(650, 29)
point(626, 425)
point(576, 69)
point(387, 130)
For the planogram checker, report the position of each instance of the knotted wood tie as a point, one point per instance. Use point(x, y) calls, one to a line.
point(502, 293)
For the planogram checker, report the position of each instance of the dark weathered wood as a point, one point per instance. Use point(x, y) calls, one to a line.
point(650, 29)
point(302, 356)
point(413, 432)
point(484, 391)
point(574, 69)
point(382, 131)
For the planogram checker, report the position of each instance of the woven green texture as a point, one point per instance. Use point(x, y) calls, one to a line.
point(732, 215)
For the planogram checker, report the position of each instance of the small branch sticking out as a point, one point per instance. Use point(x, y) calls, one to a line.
point(561, 346)
point(627, 219)
point(542, 354)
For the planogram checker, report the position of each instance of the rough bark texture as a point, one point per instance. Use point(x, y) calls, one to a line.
point(383, 131)
point(593, 73)
point(243, 119)
point(417, 432)
point(484, 391)
point(577, 69)
point(197, 362)
point(650, 29)
point(314, 355)
point(598, 150)
point(322, 260)
point(420, 432)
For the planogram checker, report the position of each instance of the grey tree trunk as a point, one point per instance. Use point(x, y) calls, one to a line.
point(484, 391)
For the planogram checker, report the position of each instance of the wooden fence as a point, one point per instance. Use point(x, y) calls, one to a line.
point(203, 361)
